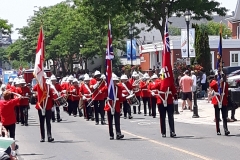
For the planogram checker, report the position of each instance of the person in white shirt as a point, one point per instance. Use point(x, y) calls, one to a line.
point(194, 78)
point(204, 83)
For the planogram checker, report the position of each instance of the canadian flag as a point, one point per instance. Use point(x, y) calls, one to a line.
point(39, 69)
point(140, 50)
point(155, 46)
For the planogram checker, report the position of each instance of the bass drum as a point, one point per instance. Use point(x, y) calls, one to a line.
point(132, 100)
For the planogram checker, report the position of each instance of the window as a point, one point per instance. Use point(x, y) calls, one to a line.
point(234, 58)
point(238, 32)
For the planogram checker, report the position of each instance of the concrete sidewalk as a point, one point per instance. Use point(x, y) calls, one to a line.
point(205, 112)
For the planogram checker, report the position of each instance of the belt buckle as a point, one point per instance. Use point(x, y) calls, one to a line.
point(164, 103)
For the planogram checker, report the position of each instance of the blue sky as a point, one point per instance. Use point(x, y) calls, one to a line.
point(18, 11)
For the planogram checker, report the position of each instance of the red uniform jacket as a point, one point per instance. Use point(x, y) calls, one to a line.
point(144, 89)
point(7, 111)
point(102, 88)
point(124, 90)
point(153, 87)
point(170, 96)
point(119, 100)
point(67, 86)
point(9, 86)
point(51, 97)
point(25, 92)
point(85, 91)
point(214, 86)
point(131, 81)
point(75, 93)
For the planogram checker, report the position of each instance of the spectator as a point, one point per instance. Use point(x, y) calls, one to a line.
point(186, 84)
point(204, 83)
point(194, 79)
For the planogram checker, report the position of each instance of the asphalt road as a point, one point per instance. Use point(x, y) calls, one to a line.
point(76, 138)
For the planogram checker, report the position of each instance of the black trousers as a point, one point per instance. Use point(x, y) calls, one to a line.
point(170, 110)
point(153, 104)
point(224, 117)
point(146, 100)
point(89, 110)
point(42, 119)
point(24, 114)
point(139, 106)
point(11, 129)
point(17, 112)
point(126, 108)
point(75, 107)
point(99, 108)
point(116, 117)
point(58, 113)
point(70, 106)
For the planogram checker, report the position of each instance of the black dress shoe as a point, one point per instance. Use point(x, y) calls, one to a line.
point(154, 116)
point(97, 123)
point(103, 123)
point(218, 133)
point(227, 133)
point(130, 117)
point(59, 120)
point(150, 114)
point(145, 114)
point(111, 137)
point(92, 119)
point(120, 136)
point(163, 135)
point(173, 134)
point(26, 124)
point(87, 119)
point(139, 112)
point(50, 139)
point(42, 140)
point(53, 120)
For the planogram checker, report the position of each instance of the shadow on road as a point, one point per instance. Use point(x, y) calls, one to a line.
point(139, 118)
point(30, 154)
point(190, 137)
point(131, 139)
point(67, 141)
point(67, 121)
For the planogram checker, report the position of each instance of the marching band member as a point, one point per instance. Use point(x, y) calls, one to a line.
point(136, 90)
point(145, 94)
point(153, 88)
point(126, 91)
point(219, 102)
point(75, 97)
point(86, 93)
point(45, 107)
point(113, 110)
point(9, 85)
point(66, 86)
point(25, 92)
point(98, 87)
point(17, 108)
point(59, 89)
point(166, 105)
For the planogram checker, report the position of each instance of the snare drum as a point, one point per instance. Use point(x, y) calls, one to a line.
point(132, 100)
point(61, 102)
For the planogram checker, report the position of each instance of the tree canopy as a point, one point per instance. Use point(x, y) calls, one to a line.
point(5, 25)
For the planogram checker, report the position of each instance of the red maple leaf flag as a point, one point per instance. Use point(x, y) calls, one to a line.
point(167, 74)
point(39, 69)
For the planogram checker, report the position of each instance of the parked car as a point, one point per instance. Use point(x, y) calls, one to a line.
point(230, 71)
point(234, 81)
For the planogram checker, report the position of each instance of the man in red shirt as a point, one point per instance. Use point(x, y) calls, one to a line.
point(59, 89)
point(24, 91)
point(145, 94)
point(220, 101)
point(75, 97)
point(47, 110)
point(7, 114)
point(98, 87)
point(136, 90)
point(116, 110)
point(153, 88)
point(9, 85)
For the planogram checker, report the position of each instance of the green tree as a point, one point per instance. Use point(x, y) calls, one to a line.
point(5, 25)
point(153, 12)
point(174, 31)
point(213, 28)
point(202, 48)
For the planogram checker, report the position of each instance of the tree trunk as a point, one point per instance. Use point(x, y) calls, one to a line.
point(85, 63)
point(71, 65)
point(63, 67)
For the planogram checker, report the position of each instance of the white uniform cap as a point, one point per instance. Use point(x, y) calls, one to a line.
point(75, 80)
point(154, 76)
point(124, 77)
point(86, 77)
point(135, 74)
point(114, 77)
point(97, 73)
point(146, 76)
point(53, 78)
point(17, 81)
point(70, 78)
point(22, 81)
point(10, 80)
point(103, 76)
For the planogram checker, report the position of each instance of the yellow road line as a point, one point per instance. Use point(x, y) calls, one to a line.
point(168, 146)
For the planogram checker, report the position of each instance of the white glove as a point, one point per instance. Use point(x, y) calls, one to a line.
point(64, 91)
point(95, 86)
point(84, 98)
point(153, 94)
point(26, 94)
point(100, 91)
point(74, 90)
point(123, 95)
